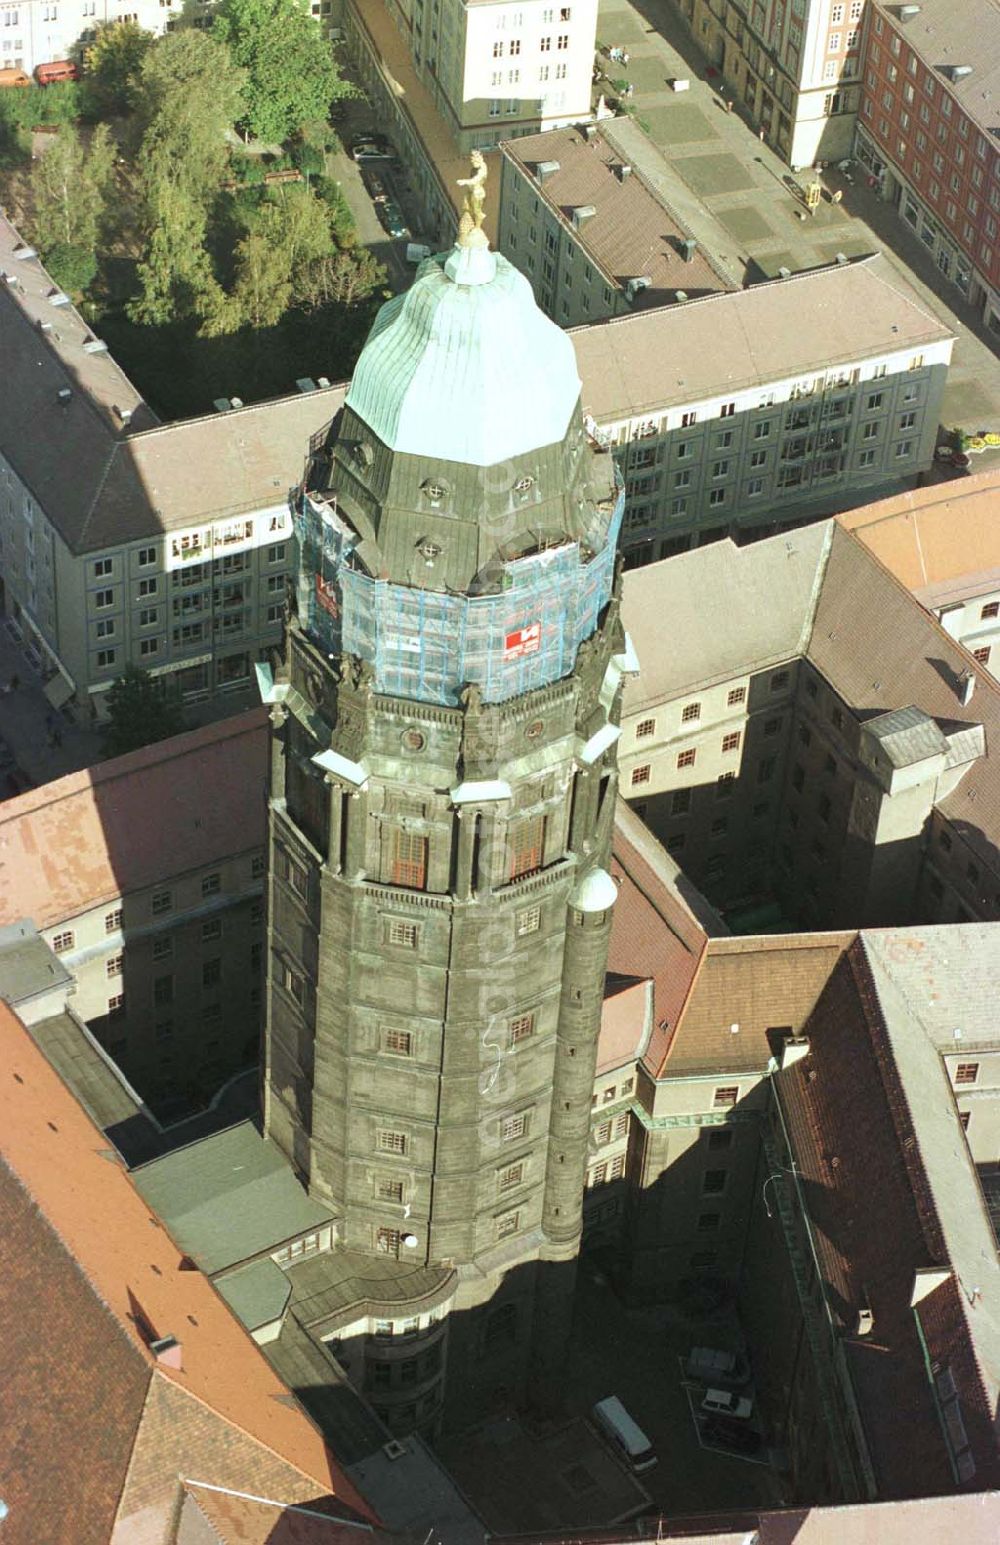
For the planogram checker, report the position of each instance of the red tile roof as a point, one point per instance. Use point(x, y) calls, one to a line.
point(104, 1430)
point(655, 932)
point(134, 821)
point(624, 1016)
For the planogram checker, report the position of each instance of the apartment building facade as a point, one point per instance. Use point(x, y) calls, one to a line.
point(793, 65)
point(126, 541)
point(34, 32)
point(795, 398)
point(838, 778)
point(591, 235)
point(158, 909)
point(927, 135)
point(499, 70)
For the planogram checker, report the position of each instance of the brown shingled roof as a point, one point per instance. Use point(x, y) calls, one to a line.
point(89, 837)
point(101, 1429)
point(761, 984)
point(631, 235)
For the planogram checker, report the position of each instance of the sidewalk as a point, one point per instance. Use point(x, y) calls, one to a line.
point(30, 726)
point(747, 206)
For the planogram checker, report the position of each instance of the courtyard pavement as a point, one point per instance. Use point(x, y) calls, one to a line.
point(743, 202)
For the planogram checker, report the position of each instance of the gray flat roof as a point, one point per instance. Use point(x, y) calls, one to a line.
point(781, 330)
point(229, 1197)
point(28, 966)
point(732, 610)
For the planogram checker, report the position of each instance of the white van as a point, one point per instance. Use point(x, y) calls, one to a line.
point(615, 1424)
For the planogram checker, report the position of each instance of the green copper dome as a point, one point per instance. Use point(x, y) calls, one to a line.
point(464, 367)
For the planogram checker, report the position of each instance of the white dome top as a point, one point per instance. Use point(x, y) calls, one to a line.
point(596, 892)
point(464, 367)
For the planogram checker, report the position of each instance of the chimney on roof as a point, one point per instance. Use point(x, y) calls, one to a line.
point(966, 687)
point(623, 171)
point(582, 213)
point(167, 1350)
point(793, 1049)
point(688, 248)
point(125, 414)
point(633, 286)
point(64, 394)
point(864, 1322)
point(590, 132)
point(680, 295)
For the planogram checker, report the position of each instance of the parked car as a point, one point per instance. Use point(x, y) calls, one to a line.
point(371, 147)
point(375, 186)
point(722, 1402)
point(724, 1370)
point(391, 216)
point(726, 1434)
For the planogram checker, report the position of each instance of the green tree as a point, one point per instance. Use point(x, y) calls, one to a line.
point(293, 220)
point(291, 75)
point(69, 185)
point(114, 63)
point(140, 712)
point(188, 96)
point(263, 289)
point(73, 268)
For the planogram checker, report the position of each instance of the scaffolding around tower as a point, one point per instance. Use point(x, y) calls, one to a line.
point(429, 645)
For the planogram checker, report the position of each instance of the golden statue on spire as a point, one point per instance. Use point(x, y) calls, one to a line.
point(474, 201)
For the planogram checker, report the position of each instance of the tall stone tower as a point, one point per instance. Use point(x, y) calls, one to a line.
point(442, 791)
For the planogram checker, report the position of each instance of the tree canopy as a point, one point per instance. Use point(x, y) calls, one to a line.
point(187, 97)
point(291, 74)
point(140, 712)
point(69, 187)
point(114, 63)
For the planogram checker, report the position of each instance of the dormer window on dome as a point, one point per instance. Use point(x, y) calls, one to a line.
point(429, 551)
point(524, 485)
point(363, 453)
point(434, 488)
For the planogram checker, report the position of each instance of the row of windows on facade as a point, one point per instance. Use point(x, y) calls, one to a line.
point(794, 450)
point(225, 599)
point(800, 418)
point(928, 83)
point(190, 634)
point(512, 49)
point(149, 557)
point(162, 902)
